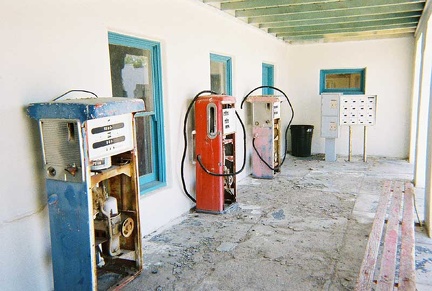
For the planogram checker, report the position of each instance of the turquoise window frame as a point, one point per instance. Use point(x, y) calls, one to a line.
point(157, 178)
point(228, 70)
point(267, 78)
point(347, 91)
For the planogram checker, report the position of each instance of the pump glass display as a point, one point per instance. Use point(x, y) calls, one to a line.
point(135, 73)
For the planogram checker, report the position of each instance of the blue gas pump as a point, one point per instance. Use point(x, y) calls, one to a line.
point(90, 160)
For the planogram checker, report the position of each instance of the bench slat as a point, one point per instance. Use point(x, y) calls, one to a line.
point(369, 261)
point(388, 261)
point(407, 255)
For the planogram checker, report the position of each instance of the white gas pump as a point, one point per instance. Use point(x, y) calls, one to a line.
point(266, 132)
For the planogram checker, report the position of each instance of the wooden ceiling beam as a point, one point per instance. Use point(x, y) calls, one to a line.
point(324, 30)
point(253, 4)
point(417, 7)
point(301, 21)
point(354, 37)
point(348, 25)
point(348, 19)
point(325, 6)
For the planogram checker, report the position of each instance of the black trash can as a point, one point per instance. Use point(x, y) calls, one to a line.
point(301, 140)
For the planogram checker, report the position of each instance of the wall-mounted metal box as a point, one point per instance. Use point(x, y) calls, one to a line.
point(330, 115)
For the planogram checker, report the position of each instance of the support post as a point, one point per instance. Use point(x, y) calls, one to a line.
point(364, 143)
point(330, 149)
point(350, 143)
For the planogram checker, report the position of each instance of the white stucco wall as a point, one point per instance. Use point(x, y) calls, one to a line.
point(51, 46)
point(421, 136)
point(389, 70)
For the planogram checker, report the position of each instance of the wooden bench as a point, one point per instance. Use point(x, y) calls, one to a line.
point(389, 262)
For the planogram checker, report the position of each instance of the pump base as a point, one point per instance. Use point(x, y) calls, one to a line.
point(266, 177)
point(228, 208)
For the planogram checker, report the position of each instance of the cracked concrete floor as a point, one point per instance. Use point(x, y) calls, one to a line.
point(306, 229)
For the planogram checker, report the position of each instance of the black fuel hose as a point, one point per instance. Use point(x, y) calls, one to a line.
point(185, 140)
point(244, 156)
point(75, 90)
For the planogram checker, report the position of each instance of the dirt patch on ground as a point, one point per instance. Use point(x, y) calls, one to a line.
point(301, 230)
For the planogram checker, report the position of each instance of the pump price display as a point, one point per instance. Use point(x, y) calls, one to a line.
point(276, 110)
point(229, 121)
point(108, 142)
point(107, 128)
point(109, 136)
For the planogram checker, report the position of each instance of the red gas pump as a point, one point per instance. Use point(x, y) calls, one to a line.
point(215, 152)
point(215, 146)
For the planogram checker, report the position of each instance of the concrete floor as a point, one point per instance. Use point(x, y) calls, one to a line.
point(304, 230)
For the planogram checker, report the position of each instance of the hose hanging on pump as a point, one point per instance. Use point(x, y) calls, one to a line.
point(244, 156)
point(198, 156)
point(286, 131)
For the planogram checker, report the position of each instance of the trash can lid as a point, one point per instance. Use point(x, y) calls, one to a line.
point(302, 125)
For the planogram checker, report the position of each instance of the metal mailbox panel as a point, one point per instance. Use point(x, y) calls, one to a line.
point(358, 110)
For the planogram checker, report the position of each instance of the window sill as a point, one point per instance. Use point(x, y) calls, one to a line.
point(345, 92)
point(151, 186)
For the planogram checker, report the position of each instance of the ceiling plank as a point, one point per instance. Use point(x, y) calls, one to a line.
point(339, 13)
point(347, 25)
point(218, 1)
point(324, 30)
point(322, 7)
point(302, 21)
point(362, 18)
point(344, 38)
point(252, 4)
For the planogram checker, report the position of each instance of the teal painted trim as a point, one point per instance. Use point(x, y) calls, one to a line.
point(125, 40)
point(156, 152)
point(219, 58)
point(151, 186)
point(144, 179)
point(158, 177)
point(267, 78)
point(348, 91)
point(144, 113)
point(229, 76)
point(228, 67)
point(160, 146)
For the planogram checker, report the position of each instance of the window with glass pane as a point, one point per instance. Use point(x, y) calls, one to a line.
point(220, 74)
point(267, 78)
point(135, 73)
point(347, 81)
